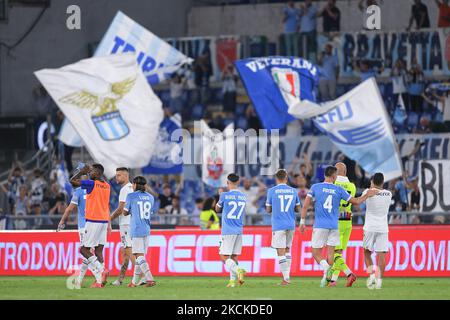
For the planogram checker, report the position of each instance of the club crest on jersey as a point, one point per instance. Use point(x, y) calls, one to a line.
point(287, 80)
point(105, 114)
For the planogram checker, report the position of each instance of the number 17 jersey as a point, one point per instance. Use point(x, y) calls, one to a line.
point(233, 210)
point(327, 199)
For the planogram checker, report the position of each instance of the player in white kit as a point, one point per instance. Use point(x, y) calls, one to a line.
point(123, 178)
point(376, 231)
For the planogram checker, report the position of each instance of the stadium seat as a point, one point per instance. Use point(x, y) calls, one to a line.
point(197, 112)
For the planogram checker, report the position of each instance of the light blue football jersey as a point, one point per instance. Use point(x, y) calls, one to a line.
point(233, 211)
point(283, 199)
point(140, 205)
point(79, 199)
point(327, 197)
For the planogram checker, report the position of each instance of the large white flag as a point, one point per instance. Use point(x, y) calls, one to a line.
point(217, 155)
point(110, 104)
point(157, 59)
point(359, 125)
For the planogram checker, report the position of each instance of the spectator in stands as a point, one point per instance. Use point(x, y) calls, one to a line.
point(415, 196)
point(208, 217)
point(442, 105)
point(329, 67)
point(363, 8)
point(229, 80)
point(177, 84)
point(16, 179)
point(291, 17)
point(444, 13)
point(38, 185)
point(308, 16)
point(419, 14)
point(399, 83)
point(198, 208)
point(203, 71)
point(416, 86)
point(439, 219)
point(57, 200)
point(165, 198)
point(366, 69)
point(331, 17)
point(305, 168)
point(22, 203)
point(302, 186)
point(189, 76)
point(253, 193)
point(175, 209)
point(5, 207)
point(252, 118)
point(423, 127)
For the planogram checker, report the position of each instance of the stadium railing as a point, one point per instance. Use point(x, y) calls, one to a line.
point(50, 222)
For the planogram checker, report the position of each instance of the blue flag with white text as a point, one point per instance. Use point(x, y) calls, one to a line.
point(276, 83)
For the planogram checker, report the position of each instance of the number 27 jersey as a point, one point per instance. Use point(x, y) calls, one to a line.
point(327, 199)
point(140, 206)
point(233, 210)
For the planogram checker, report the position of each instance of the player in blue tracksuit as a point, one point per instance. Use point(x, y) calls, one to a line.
point(283, 202)
point(327, 198)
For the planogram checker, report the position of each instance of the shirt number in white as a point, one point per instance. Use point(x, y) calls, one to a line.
point(145, 209)
point(328, 203)
point(285, 202)
point(235, 204)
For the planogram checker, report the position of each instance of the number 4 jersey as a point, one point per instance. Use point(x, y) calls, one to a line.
point(233, 209)
point(139, 205)
point(283, 200)
point(327, 199)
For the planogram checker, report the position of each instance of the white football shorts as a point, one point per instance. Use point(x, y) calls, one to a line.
point(230, 244)
point(325, 237)
point(282, 239)
point(95, 234)
point(376, 241)
point(140, 245)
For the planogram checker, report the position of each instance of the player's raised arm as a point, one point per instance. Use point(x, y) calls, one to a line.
point(76, 179)
point(364, 197)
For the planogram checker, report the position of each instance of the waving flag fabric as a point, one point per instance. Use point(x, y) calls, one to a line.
point(217, 155)
point(157, 59)
point(167, 158)
point(109, 102)
point(360, 127)
point(276, 83)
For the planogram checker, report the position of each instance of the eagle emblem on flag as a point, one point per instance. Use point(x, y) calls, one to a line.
point(104, 111)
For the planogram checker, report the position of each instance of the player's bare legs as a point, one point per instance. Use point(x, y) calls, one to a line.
point(94, 265)
point(99, 254)
point(141, 267)
point(126, 257)
point(324, 263)
point(381, 257)
point(372, 269)
point(285, 265)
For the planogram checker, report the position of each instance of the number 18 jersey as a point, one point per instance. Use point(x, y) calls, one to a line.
point(233, 210)
point(327, 199)
point(140, 206)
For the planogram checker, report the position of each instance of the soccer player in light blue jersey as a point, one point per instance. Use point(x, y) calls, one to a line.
point(327, 198)
point(283, 202)
point(140, 205)
point(232, 206)
point(77, 202)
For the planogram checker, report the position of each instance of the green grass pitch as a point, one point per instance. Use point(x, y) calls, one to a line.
point(200, 288)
